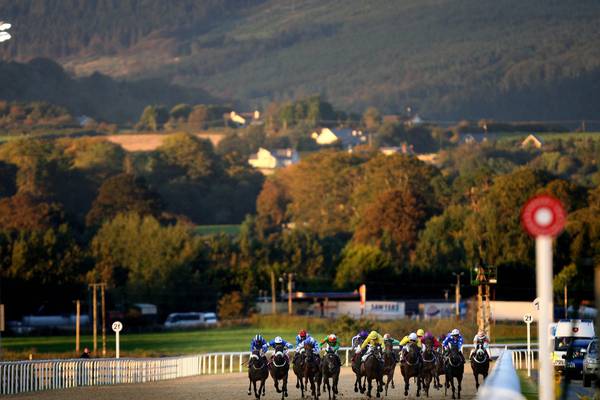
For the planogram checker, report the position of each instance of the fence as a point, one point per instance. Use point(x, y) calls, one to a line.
point(503, 383)
point(29, 376)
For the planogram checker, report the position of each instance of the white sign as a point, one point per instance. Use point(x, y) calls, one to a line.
point(528, 318)
point(117, 326)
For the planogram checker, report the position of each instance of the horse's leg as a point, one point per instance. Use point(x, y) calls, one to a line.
point(336, 378)
point(364, 384)
point(356, 384)
point(370, 387)
point(249, 387)
point(453, 388)
point(418, 386)
point(254, 387)
point(476, 375)
point(459, 385)
point(406, 384)
point(284, 386)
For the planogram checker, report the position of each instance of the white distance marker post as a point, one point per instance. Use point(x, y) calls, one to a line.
point(528, 318)
point(543, 217)
point(117, 327)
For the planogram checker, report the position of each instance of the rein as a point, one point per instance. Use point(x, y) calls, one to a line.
point(485, 359)
point(432, 360)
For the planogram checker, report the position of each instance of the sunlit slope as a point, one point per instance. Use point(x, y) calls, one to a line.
point(446, 58)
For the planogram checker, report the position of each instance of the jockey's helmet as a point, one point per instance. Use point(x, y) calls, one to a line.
point(363, 334)
point(332, 338)
point(428, 335)
point(387, 336)
point(455, 332)
point(413, 337)
point(278, 340)
point(302, 333)
point(373, 335)
point(258, 338)
point(420, 333)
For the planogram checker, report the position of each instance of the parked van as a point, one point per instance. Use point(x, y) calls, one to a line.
point(567, 331)
point(190, 320)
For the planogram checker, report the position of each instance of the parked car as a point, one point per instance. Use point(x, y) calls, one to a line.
point(591, 363)
point(577, 349)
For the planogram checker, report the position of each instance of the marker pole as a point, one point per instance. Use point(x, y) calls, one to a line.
point(543, 257)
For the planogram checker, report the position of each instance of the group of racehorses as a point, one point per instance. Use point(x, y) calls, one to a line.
point(424, 365)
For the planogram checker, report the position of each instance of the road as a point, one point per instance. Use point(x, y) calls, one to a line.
point(229, 386)
point(575, 390)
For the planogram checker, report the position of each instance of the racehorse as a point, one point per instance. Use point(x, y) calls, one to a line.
point(298, 366)
point(480, 364)
point(279, 368)
point(312, 371)
point(257, 371)
point(356, 364)
point(440, 368)
point(330, 368)
point(389, 365)
point(411, 367)
point(455, 368)
point(371, 369)
point(429, 368)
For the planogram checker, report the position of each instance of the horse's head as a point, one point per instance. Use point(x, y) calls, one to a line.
point(454, 354)
point(413, 353)
point(480, 355)
point(308, 347)
point(255, 359)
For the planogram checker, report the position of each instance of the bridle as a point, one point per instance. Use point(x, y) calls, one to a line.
point(485, 358)
point(279, 354)
point(407, 361)
point(256, 357)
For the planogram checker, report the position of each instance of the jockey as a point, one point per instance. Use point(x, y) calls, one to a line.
point(407, 340)
point(302, 335)
point(372, 340)
point(388, 339)
point(358, 340)
point(259, 343)
point(454, 338)
point(332, 343)
point(310, 341)
point(333, 346)
point(413, 337)
point(280, 342)
point(481, 339)
point(429, 337)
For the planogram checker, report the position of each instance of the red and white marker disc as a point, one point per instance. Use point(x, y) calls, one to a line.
point(543, 215)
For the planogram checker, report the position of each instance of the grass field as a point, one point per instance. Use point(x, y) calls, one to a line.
point(148, 344)
point(550, 136)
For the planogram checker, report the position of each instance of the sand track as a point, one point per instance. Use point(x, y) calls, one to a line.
point(228, 386)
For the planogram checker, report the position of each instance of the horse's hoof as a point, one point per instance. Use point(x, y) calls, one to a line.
point(249, 393)
point(355, 390)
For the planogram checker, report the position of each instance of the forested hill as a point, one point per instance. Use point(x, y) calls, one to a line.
point(511, 59)
point(98, 96)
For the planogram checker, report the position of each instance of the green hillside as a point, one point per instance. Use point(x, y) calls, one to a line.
point(447, 59)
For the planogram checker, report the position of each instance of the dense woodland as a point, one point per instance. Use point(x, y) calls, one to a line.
point(74, 211)
point(476, 59)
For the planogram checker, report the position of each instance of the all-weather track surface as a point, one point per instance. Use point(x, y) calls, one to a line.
point(230, 386)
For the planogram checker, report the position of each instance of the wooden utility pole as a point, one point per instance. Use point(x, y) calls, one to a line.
point(94, 318)
point(566, 303)
point(273, 294)
point(289, 293)
point(95, 287)
point(102, 289)
point(77, 324)
point(457, 293)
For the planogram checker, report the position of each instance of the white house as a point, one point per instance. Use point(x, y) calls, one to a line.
point(532, 141)
point(347, 137)
point(268, 160)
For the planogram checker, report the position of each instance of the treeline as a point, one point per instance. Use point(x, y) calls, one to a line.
point(334, 220)
point(97, 96)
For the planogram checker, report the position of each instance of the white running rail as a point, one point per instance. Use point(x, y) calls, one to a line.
point(29, 376)
point(503, 383)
